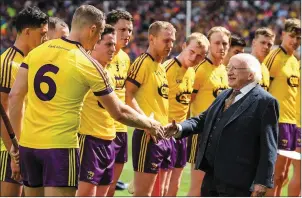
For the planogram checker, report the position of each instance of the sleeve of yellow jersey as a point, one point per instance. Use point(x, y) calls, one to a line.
point(96, 78)
point(137, 71)
point(271, 62)
point(199, 79)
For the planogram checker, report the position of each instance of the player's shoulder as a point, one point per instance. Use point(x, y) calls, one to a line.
point(201, 65)
point(123, 54)
point(143, 59)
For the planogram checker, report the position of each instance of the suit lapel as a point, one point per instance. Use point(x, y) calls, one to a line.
point(245, 104)
point(216, 108)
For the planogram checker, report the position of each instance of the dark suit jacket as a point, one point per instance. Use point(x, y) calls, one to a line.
point(247, 149)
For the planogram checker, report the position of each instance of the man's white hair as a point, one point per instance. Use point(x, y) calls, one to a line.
point(253, 64)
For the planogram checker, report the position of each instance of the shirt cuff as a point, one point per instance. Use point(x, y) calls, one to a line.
point(179, 131)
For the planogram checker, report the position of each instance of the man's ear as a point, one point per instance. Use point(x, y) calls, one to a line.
point(92, 30)
point(251, 76)
point(26, 31)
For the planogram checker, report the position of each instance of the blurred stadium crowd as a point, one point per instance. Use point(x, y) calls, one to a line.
point(240, 17)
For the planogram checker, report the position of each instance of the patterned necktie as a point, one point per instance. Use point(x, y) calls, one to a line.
point(228, 102)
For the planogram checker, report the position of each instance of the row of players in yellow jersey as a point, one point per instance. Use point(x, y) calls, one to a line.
point(77, 85)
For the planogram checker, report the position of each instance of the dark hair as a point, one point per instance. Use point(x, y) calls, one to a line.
point(30, 17)
point(108, 30)
point(237, 41)
point(53, 21)
point(115, 15)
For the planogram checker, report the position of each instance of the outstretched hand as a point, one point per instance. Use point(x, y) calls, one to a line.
point(171, 129)
point(157, 130)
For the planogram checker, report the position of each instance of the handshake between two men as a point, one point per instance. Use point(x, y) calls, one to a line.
point(159, 132)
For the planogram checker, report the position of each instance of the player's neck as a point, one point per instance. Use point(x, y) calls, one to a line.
point(288, 51)
point(215, 61)
point(260, 59)
point(117, 48)
point(181, 59)
point(155, 55)
point(226, 61)
point(20, 43)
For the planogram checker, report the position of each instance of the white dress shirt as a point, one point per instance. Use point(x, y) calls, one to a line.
point(244, 90)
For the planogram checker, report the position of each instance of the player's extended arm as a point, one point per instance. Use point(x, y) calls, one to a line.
point(128, 116)
point(16, 100)
point(4, 134)
point(130, 100)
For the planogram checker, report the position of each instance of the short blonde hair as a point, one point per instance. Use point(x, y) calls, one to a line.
point(219, 29)
point(87, 15)
point(292, 25)
point(199, 37)
point(156, 26)
point(264, 31)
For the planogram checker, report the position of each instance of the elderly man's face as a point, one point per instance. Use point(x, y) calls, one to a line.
point(239, 74)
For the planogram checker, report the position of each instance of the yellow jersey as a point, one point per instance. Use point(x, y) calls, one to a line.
point(180, 81)
point(95, 119)
point(152, 96)
point(285, 77)
point(118, 67)
point(57, 84)
point(210, 81)
point(264, 82)
point(298, 104)
point(10, 63)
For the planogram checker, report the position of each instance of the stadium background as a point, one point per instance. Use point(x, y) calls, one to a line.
point(240, 17)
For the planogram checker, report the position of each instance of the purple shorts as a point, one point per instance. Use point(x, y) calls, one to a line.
point(289, 137)
point(149, 157)
point(97, 160)
point(192, 148)
point(5, 168)
point(120, 145)
point(49, 167)
point(298, 137)
point(179, 152)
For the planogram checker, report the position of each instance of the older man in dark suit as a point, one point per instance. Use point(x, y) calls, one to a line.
point(238, 146)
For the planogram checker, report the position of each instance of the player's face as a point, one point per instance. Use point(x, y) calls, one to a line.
point(235, 50)
point(105, 48)
point(59, 32)
point(262, 46)
point(36, 36)
point(194, 53)
point(291, 41)
point(124, 30)
point(163, 42)
point(239, 74)
point(219, 45)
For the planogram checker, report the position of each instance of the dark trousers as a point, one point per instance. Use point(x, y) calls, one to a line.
point(213, 187)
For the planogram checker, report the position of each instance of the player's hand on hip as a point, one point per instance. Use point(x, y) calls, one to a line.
point(14, 153)
point(16, 174)
point(171, 129)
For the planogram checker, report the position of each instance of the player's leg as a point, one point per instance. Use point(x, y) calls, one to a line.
point(121, 157)
point(163, 180)
point(180, 155)
point(96, 170)
point(196, 175)
point(282, 163)
point(294, 187)
point(31, 172)
point(147, 157)
point(60, 171)
point(9, 187)
point(168, 181)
